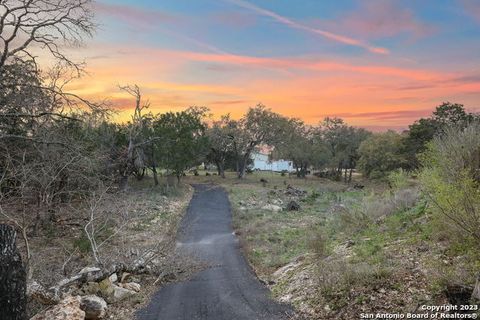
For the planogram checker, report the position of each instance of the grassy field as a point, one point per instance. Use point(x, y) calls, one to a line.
point(346, 250)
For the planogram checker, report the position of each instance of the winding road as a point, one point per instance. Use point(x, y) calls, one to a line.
point(228, 289)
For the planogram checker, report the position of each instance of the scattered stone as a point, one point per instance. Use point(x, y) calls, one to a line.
point(131, 286)
point(90, 288)
point(291, 191)
point(106, 288)
point(113, 277)
point(293, 206)
point(349, 243)
point(94, 307)
point(120, 294)
point(68, 308)
point(277, 201)
point(272, 207)
point(89, 270)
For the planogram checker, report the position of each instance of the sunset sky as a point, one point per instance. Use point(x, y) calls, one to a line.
point(377, 64)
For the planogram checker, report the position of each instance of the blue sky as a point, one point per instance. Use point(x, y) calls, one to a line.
point(379, 64)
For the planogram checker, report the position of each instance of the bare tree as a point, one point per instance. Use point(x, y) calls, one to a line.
point(134, 160)
point(30, 25)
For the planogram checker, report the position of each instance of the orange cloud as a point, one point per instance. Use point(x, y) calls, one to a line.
point(309, 88)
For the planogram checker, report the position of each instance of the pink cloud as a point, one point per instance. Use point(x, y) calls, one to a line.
point(234, 19)
point(137, 17)
point(381, 19)
point(387, 115)
point(228, 102)
point(472, 8)
point(295, 25)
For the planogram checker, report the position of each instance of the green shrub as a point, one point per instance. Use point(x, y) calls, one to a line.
point(451, 176)
point(398, 179)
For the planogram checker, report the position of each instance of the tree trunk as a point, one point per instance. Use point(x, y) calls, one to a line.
point(243, 166)
point(221, 170)
point(350, 175)
point(155, 174)
point(13, 284)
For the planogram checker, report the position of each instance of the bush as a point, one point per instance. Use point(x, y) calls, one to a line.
point(359, 216)
point(380, 154)
point(451, 176)
point(398, 179)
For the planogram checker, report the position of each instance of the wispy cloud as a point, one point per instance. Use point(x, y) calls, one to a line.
point(135, 16)
point(381, 19)
point(387, 115)
point(472, 8)
point(152, 20)
point(293, 24)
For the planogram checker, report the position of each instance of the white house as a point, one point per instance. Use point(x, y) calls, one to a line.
point(262, 162)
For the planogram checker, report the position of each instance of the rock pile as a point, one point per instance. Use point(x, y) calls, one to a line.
point(88, 301)
point(291, 191)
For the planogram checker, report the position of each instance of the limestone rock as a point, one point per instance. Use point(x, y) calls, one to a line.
point(133, 286)
point(272, 207)
point(94, 307)
point(120, 294)
point(68, 308)
point(106, 288)
point(90, 288)
point(89, 270)
point(113, 277)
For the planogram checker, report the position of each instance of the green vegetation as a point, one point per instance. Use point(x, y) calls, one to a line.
point(357, 245)
point(382, 240)
point(381, 154)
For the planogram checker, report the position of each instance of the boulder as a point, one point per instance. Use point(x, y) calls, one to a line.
point(94, 307)
point(293, 206)
point(120, 294)
point(272, 207)
point(68, 308)
point(133, 286)
point(106, 288)
point(89, 288)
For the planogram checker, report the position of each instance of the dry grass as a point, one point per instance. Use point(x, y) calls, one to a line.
point(137, 225)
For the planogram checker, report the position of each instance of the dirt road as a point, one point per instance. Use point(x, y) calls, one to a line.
point(228, 289)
